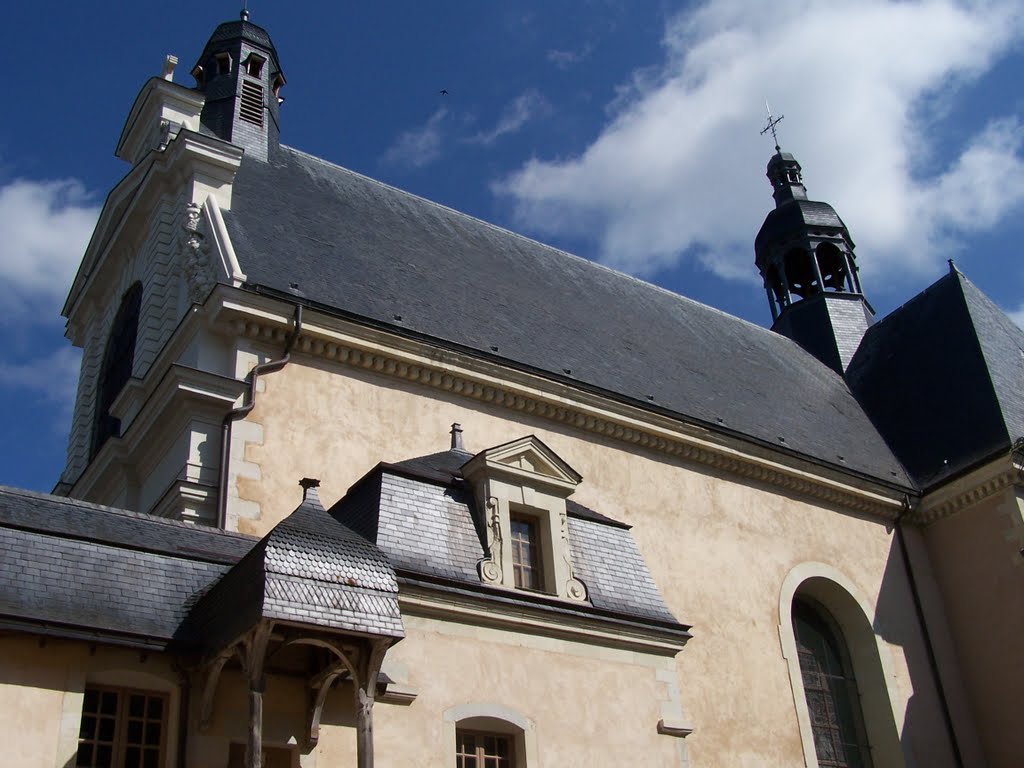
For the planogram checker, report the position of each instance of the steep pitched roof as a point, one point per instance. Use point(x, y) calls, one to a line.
point(941, 377)
point(369, 251)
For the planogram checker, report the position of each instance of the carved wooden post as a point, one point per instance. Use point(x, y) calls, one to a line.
point(253, 658)
point(366, 691)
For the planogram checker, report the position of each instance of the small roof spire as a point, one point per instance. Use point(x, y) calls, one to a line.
point(244, 15)
point(457, 437)
point(772, 122)
point(309, 492)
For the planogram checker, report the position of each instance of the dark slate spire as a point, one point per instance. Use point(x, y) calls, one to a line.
point(805, 255)
point(241, 77)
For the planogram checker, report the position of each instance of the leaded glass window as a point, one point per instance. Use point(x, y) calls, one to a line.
point(837, 723)
point(118, 359)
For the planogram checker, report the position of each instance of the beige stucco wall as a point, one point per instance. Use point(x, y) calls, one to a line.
point(719, 548)
point(41, 688)
point(978, 563)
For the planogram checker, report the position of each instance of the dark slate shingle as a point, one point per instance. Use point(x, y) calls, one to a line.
point(366, 250)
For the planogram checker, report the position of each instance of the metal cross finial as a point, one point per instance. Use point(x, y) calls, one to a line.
point(772, 122)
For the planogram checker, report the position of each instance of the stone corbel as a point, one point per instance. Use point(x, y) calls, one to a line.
point(678, 728)
point(490, 566)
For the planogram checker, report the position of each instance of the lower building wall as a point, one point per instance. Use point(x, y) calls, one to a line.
point(979, 567)
point(42, 686)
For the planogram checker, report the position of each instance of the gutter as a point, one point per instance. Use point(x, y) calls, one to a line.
point(248, 403)
point(929, 647)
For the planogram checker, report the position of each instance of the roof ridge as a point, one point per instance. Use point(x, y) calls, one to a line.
point(88, 505)
point(497, 228)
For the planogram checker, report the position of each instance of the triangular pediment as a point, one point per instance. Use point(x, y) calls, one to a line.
point(529, 458)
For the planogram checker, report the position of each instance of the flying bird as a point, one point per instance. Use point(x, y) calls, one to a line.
point(444, 92)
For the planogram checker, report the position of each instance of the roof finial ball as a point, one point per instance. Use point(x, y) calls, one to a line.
point(244, 15)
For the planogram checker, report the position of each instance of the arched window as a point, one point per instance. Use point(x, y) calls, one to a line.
point(118, 359)
point(833, 701)
point(489, 736)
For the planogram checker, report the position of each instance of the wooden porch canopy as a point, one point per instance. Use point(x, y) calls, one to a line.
point(310, 582)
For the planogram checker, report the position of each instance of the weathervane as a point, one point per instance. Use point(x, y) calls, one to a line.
point(772, 122)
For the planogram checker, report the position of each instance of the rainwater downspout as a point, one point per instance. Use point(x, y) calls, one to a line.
point(248, 403)
point(929, 648)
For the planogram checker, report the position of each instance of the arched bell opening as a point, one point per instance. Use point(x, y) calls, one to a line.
point(836, 269)
point(801, 273)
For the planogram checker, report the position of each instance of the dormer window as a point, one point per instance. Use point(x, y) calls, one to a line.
point(254, 65)
point(199, 76)
point(527, 567)
point(223, 63)
point(520, 488)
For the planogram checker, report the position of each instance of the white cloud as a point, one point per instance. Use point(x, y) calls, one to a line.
point(419, 147)
point(679, 169)
point(1017, 315)
point(516, 114)
point(53, 378)
point(566, 59)
point(46, 226)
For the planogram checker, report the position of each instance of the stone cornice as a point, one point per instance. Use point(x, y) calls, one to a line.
point(436, 602)
point(262, 319)
point(1004, 472)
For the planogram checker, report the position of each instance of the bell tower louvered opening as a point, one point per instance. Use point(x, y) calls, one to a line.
point(250, 107)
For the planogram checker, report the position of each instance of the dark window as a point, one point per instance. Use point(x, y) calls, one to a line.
point(837, 722)
point(118, 359)
point(476, 749)
point(526, 555)
point(223, 63)
point(254, 66)
point(122, 728)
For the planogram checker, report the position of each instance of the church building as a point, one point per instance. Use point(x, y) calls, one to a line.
point(355, 478)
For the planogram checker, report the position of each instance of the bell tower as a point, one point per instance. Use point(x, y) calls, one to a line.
point(804, 253)
point(240, 76)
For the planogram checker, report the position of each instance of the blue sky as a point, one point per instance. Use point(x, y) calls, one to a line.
point(624, 132)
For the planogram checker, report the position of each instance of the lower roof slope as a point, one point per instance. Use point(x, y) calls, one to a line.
point(364, 249)
point(941, 377)
point(73, 568)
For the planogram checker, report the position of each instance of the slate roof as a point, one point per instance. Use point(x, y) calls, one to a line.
point(84, 570)
point(428, 526)
point(310, 569)
point(797, 216)
point(942, 377)
point(368, 251)
point(73, 568)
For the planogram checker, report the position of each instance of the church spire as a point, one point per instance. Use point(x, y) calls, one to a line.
point(804, 253)
point(241, 77)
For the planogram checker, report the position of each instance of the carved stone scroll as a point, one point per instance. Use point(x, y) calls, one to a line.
point(574, 588)
point(490, 566)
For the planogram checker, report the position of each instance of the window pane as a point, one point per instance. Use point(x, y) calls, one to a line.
point(108, 703)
